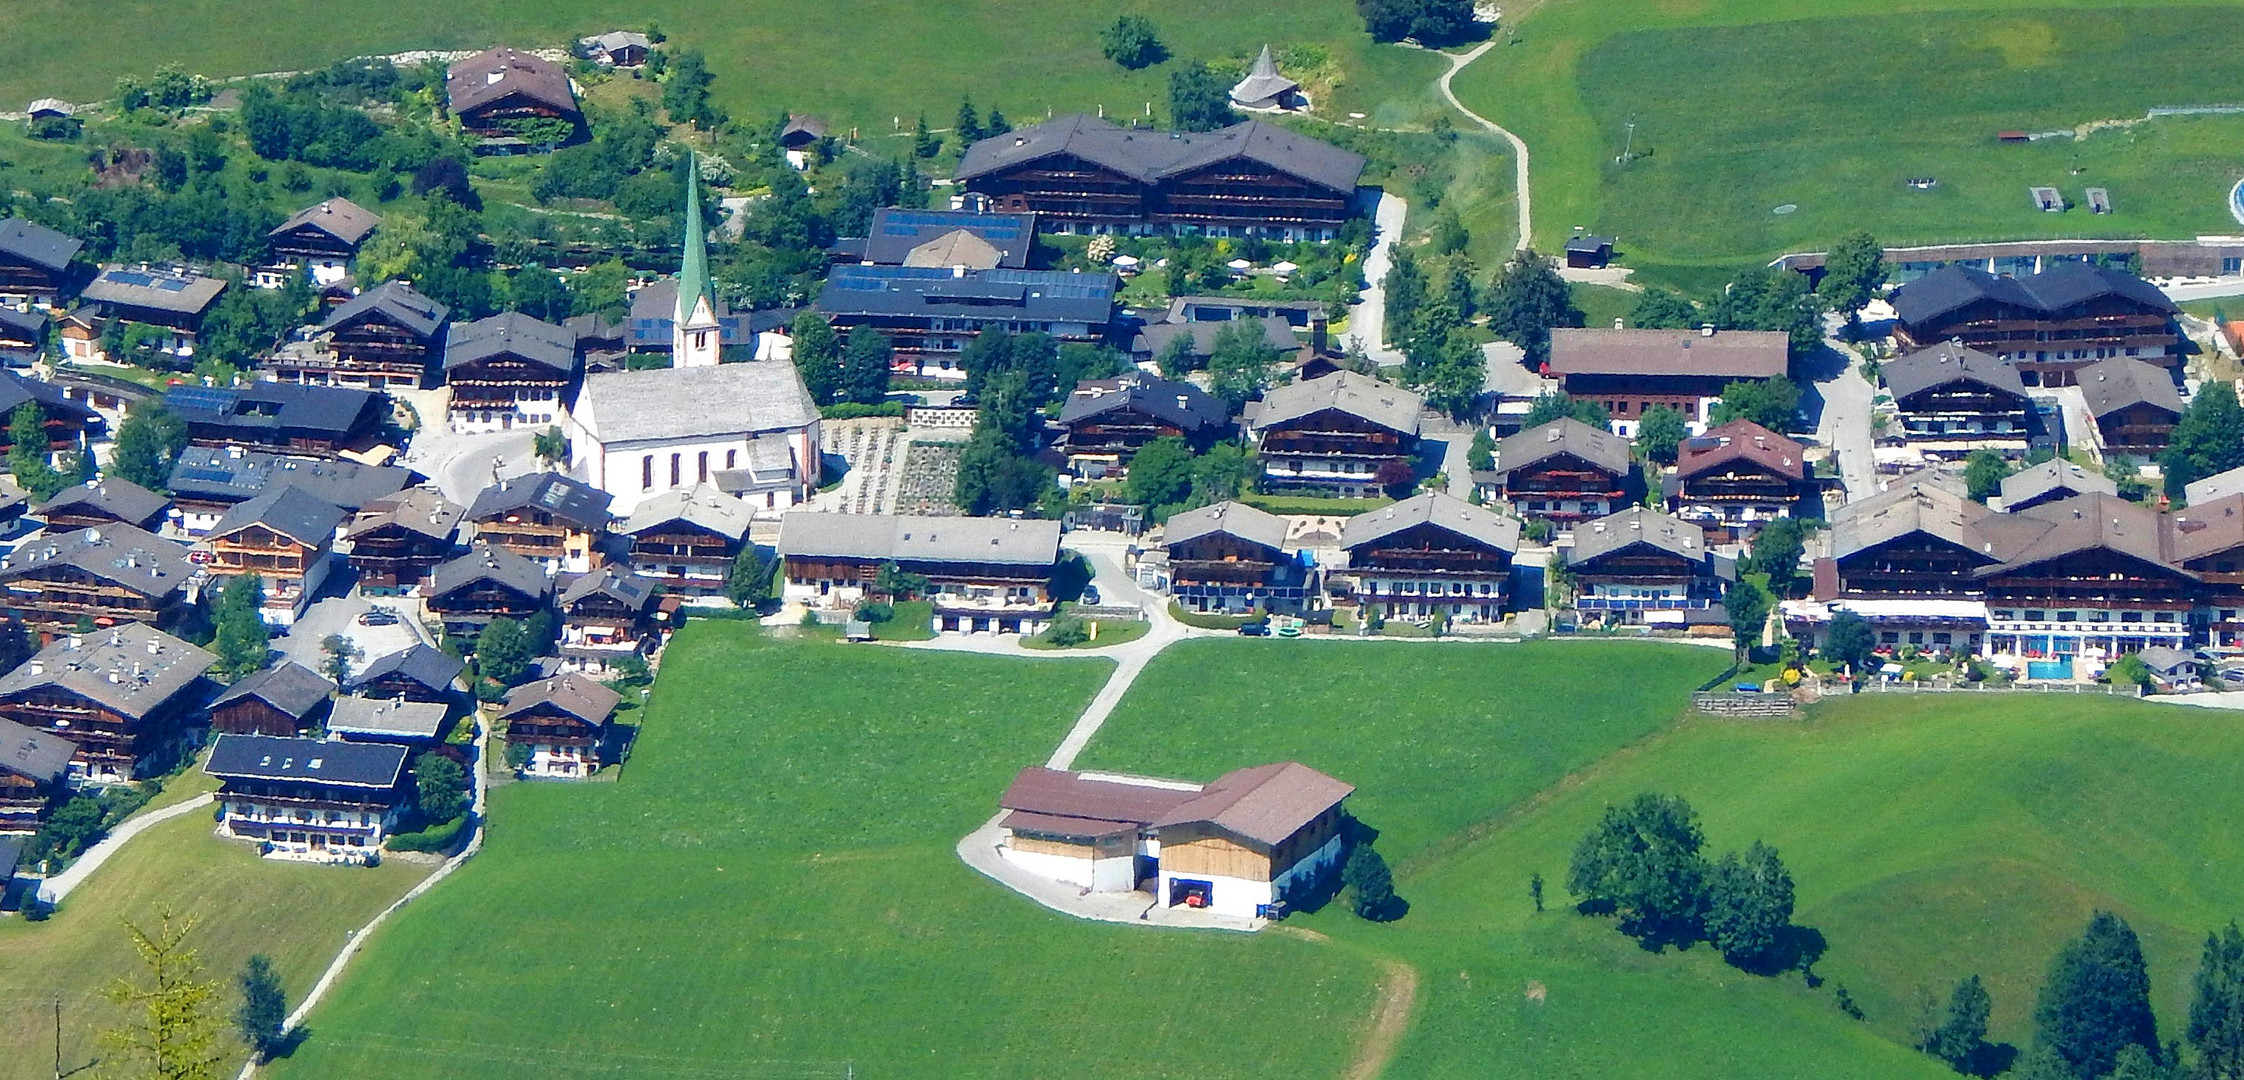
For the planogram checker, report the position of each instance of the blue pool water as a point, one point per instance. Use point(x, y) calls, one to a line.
point(2049, 669)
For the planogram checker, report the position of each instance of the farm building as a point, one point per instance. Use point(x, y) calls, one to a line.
point(284, 699)
point(321, 239)
point(513, 100)
point(1243, 845)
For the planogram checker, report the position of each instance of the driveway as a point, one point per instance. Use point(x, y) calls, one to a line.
point(1845, 424)
point(2081, 432)
point(339, 615)
point(463, 465)
point(1367, 320)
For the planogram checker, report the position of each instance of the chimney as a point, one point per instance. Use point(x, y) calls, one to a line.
point(38, 667)
point(1619, 323)
point(154, 649)
point(1706, 330)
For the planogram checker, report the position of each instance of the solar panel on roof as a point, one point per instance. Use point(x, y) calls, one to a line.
point(212, 476)
point(171, 285)
point(131, 277)
point(214, 398)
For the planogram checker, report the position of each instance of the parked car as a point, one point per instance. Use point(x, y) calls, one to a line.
point(380, 616)
point(1257, 628)
point(1090, 594)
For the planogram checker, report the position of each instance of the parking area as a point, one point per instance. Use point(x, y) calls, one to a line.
point(339, 615)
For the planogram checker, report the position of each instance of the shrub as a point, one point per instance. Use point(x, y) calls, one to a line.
point(1067, 631)
point(876, 611)
point(433, 838)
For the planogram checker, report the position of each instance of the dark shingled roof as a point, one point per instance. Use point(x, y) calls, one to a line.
point(320, 761)
point(1229, 518)
point(572, 693)
point(17, 390)
point(394, 302)
point(338, 217)
point(2064, 285)
point(1181, 404)
point(497, 565)
point(37, 244)
point(415, 509)
point(33, 753)
point(1479, 524)
point(265, 406)
point(574, 502)
point(289, 687)
point(1742, 440)
point(430, 667)
point(1637, 525)
point(617, 583)
point(108, 496)
point(2114, 384)
point(512, 333)
point(1153, 339)
point(1150, 156)
point(495, 73)
point(229, 473)
point(1947, 363)
point(289, 511)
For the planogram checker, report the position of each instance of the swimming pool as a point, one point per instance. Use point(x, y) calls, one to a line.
point(2049, 669)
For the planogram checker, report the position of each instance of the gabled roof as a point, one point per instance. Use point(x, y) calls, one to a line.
point(338, 217)
point(2217, 486)
point(397, 718)
point(2209, 528)
point(1727, 354)
point(1476, 523)
point(394, 302)
point(705, 507)
point(2036, 483)
point(1566, 435)
point(1153, 339)
point(570, 692)
point(572, 501)
point(956, 248)
point(662, 404)
point(30, 752)
point(290, 511)
point(1921, 505)
point(1230, 519)
point(2081, 523)
point(1265, 803)
point(487, 562)
point(231, 473)
point(1637, 525)
point(1002, 541)
point(940, 292)
point(1151, 156)
point(22, 325)
point(1263, 81)
point(414, 509)
point(154, 289)
point(511, 333)
point(2064, 285)
point(1747, 441)
point(1090, 803)
point(617, 584)
point(289, 687)
point(18, 390)
point(265, 406)
point(132, 669)
point(119, 554)
point(1361, 396)
point(495, 73)
point(31, 242)
point(429, 667)
point(109, 496)
point(2114, 384)
point(320, 761)
point(1947, 363)
point(1179, 404)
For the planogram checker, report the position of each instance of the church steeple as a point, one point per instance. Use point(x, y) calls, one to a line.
point(695, 337)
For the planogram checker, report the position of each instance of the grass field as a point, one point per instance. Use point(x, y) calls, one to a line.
point(295, 913)
point(770, 890)
point(1745, 105)
point(858, 63)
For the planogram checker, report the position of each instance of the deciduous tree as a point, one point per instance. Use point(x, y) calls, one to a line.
point(1160, 473)
point(749, 586)
point(1371, 886)
point(1659, 309)
point(1131, 41)
point(1771, 403)
point(503, 652)
point(1527, 300)
point(2208, 439)
point(1984, 472)
point(1241, 363)
point(442, 787)
point(244, 642)
point(1405, 292)
point(1659, 434)
point(817, 356)
point(1851, 641)
point(1748, 608)
point(263, 1015)
point(1643, 863)
point(1852, 273)
point(865, 368)
point(1961, 1037)
point(1198, 100)
point(1556, 405)
point(1749, 908)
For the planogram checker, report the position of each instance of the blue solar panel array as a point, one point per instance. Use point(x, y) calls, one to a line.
point(212, 398)
point(1055, 283)
point(914, 222)
point(212, 476)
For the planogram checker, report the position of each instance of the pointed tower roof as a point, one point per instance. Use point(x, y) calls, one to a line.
point(1263, 83)
point(693, 269)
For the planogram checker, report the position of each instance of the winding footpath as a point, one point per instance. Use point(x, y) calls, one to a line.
point(1519, 147)
point(52, 890)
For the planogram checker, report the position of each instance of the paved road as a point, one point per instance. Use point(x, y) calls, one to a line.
point(1845, 425)
point(2081, 432)
point(462, 465)
point(2212, 290)
point(1367, 320)
point(52, 890)
point(339, 615)
point(1519, 146)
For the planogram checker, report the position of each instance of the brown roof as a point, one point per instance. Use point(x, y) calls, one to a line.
point(495, 73)
point(338, 217)
point(1736, 354)
point(1637, 525)
point(1743, 439)
point(1265, 803)
point(2209, 528)
point(1062, 825)
point(1094, 796)
point(572, 693)
point(1565, 435)
point(2081, 523)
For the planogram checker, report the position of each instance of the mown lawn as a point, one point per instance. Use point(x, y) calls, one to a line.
point(858, 63)
point(1744, 105)
point(770, 890)
point(295, 913)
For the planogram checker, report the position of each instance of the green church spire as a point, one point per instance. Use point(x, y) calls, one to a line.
point(693, 269)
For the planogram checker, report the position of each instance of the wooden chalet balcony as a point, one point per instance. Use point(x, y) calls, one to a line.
point(1432, 562)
